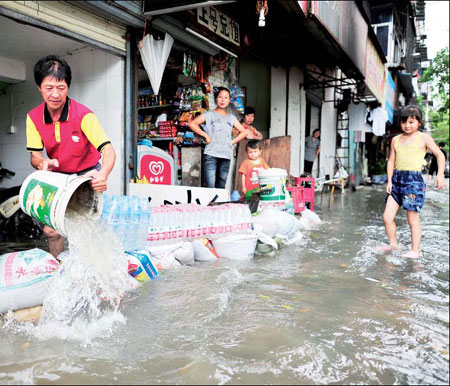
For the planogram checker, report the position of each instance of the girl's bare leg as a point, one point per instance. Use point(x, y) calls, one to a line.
point(390, 211)
point(416, 230)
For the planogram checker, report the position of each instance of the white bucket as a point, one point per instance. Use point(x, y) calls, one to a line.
point(46, 196)
point(239, 246)
point(273, 184)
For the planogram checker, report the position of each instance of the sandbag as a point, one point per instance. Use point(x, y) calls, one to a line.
point(182, 252)
point(266, 220)
point(239, 246)
point(158, 250)
point(25, 277)
point(264, 239)
point(275, 222)
point(204, 250)
point(185, 253)
point(288, 225)
point(309, 219)
point(296, 239)
point(166, 261)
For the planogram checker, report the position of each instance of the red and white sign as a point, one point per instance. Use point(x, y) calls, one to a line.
point(156, 170)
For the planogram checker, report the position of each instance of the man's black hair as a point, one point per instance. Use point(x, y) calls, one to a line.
point(253, 144)
point(442, 144)
point(411, 111)
point(53, 66)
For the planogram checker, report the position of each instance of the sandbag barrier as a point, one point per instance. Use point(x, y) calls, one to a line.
point(26, 276)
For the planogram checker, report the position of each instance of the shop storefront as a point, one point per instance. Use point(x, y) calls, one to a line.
point(200, 58)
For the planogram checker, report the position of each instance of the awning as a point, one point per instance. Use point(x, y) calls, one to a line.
point(406, 82)
point(160, 7)
point(176, 29)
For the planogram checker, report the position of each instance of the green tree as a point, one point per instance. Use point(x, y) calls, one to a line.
point(438, 76)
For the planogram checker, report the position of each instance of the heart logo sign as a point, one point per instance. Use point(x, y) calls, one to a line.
point(156, 168)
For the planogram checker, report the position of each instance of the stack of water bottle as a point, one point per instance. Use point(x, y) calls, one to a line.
point(188, 222)
point(129, 218)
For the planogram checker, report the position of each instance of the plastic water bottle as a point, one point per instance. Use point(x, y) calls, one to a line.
point(179, 223)
point(228, 211)
point(133, 230)
point(114, 214)
point(107, 203)
point(144, 223)
point(154, 228)
point(124, 222)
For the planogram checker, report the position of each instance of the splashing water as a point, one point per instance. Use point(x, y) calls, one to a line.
point(85, 295)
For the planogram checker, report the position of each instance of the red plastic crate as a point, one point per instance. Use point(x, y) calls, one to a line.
point(308, 192)
point(297, 198)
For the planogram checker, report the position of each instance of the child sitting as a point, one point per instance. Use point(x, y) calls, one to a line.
point(249, 168)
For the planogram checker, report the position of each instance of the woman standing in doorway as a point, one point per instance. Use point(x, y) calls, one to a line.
point(312, 150)
point(217, 131)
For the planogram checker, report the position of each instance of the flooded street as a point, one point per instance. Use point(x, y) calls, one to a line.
point(331, 311)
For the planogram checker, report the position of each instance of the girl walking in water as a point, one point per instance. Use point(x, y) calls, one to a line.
point(405, 186)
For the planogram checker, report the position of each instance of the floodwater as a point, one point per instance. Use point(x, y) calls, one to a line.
point(331, 311)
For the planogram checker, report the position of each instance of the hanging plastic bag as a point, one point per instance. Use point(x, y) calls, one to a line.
point(236, 94)
point(154, 54)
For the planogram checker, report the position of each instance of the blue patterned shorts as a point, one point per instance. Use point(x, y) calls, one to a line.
point(408, 189)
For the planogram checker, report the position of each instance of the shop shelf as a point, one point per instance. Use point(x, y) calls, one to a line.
point(153, 107)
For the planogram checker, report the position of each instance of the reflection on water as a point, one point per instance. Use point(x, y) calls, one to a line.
point(332, 311)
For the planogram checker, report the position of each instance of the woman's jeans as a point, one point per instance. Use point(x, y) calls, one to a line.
point(215, 171)
point(308, 166)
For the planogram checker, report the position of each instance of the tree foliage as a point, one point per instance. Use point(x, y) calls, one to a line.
point(438, 76)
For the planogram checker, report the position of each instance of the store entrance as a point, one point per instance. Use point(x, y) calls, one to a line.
point(163, 119)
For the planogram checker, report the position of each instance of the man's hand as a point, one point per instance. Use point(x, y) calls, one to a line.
point(98, 180)
point(440, 182)
point(207, 139)
point(49, 164)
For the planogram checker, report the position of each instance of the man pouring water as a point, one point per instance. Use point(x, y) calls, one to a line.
point(69, 132)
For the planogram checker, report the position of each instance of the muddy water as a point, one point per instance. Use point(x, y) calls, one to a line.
point(332, 311)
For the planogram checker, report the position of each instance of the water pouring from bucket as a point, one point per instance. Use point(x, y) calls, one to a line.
point(90, 283)
point(49, 196)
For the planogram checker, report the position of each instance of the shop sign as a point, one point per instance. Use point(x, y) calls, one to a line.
point(159, 194)
point(389, 96)
point(156, 170)
point(219, 23)
point(345, 23)
point(375, 73)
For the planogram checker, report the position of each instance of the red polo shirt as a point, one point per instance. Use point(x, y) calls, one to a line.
point(75, 140)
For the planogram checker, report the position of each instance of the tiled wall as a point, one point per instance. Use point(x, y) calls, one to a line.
point(97, 82)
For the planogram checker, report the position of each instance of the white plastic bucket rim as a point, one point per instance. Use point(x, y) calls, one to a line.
point(59, 189)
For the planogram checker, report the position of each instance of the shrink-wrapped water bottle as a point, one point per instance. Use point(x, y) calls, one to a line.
point(124, 222)
point(107, 203)
point(144, 222)
point(113, 217)
point(135, 219)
